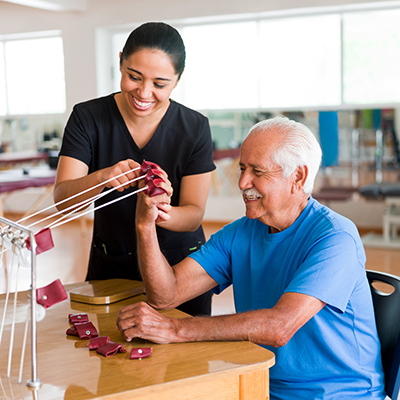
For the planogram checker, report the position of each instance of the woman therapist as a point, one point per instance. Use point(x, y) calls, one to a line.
point(113, 134)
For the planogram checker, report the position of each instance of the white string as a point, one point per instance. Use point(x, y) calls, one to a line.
point(2, 261)
point(6, 301)
point(97, 208)
point(13, 322)
point(21, 365)
point(81, 205)
point(84, 203)
point(77, 194)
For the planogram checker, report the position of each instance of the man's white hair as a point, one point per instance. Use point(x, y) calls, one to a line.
point(298, 147)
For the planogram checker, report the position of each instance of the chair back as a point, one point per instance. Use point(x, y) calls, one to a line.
point(387, 316)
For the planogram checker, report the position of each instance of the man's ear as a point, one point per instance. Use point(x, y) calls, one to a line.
point(300, 177)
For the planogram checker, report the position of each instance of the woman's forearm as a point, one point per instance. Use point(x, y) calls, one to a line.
point(72, 179)
point(70, 188)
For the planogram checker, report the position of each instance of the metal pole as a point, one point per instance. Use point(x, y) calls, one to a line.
point(34, 382)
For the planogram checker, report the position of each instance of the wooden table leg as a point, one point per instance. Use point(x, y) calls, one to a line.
point(254, 385)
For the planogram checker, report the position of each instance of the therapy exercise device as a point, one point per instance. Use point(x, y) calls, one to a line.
point(24, 245)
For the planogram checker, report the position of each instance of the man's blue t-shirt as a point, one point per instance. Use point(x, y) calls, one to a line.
point(336, 354)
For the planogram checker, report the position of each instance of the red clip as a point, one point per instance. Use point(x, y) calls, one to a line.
point(152, 181)
point(44, 241)
point(110, 349)
point(97, 342)
point(51, 294)
point(84, 330)
point(138, 354)
point(152, 178)
point(153, 190)
point(149, 166)
point(78, 318)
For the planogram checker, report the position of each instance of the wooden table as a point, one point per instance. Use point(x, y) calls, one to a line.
point(68, 370)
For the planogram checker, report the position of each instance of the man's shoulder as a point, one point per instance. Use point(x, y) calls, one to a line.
point(321, 217)
point(241, 227)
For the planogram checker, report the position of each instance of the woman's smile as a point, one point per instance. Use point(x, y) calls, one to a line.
point(141, 105)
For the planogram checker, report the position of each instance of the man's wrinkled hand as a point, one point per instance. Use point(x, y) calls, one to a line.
point(139, 320)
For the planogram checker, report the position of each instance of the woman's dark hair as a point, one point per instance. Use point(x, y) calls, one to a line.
point(160, 36)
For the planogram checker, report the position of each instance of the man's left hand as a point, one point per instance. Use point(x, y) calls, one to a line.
point(139, 320)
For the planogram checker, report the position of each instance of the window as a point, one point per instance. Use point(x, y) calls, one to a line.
point(332, 57)
point(371, 57)
point(3, 104)
point(300, 61)
point(221, 71)
point(32, 74)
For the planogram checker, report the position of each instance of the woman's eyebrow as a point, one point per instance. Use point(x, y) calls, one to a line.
point(134, 70)
point(139, 73)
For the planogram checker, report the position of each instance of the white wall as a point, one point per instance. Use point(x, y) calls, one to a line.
point(78, 28)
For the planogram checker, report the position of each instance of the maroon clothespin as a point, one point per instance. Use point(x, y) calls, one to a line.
point(110, 349)
point(149, 166)
point(51, 294)
point(85, 330)
point(152, 178)
point(152, 187)
point(78, 318)
point(97, 342)
point(44, 241)
point(138, 354)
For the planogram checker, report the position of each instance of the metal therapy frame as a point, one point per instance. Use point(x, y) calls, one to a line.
point(34, 382)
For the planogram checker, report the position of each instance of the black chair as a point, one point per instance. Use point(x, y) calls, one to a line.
point(387, 315)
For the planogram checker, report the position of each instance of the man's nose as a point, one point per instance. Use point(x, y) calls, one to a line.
point(245, 181)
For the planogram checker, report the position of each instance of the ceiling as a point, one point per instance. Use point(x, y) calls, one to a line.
point(53, 5)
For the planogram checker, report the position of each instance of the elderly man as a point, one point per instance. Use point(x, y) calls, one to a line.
point(297, 270)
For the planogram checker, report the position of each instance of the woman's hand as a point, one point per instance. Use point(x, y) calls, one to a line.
point(120, 172)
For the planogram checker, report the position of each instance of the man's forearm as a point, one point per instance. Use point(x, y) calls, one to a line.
point(273, 327)
point(157, 274)
point(254, 326)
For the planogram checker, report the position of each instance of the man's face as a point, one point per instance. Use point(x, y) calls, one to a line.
point(266, 192)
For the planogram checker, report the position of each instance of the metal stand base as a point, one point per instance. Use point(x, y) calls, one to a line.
point(34, 384)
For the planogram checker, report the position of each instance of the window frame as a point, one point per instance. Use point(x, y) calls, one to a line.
point(4, 38)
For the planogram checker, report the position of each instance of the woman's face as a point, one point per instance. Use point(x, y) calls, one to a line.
point(147, 80)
